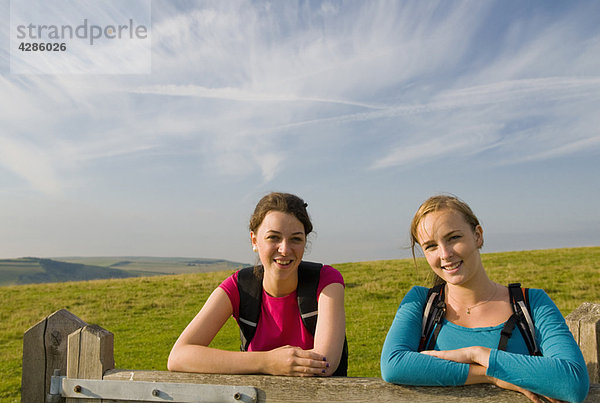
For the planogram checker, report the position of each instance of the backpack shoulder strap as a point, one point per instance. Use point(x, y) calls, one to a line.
point(521, 317)
point(250, 290)
point(433, 313)
point(309, 274)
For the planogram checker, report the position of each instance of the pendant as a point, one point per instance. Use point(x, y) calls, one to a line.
point(468, 311)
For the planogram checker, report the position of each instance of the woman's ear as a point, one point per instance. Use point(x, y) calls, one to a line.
point(253, 241)
point(479, 236)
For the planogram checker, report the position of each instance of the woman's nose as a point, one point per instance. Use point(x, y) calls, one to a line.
point(284, 247)
point(445, 251)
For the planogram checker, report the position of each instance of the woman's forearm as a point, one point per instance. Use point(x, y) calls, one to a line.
point(331, 325)
point(286, 360)
point(477, 375)
point(202, 359)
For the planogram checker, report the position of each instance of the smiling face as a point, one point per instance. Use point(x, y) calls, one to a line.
point(451, 246)
point(280, 242)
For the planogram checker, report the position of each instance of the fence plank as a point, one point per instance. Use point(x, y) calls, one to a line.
point(584, 323)
point(281, 389)
point(45, 349)
point(34, 362)
point(328, 390)
point(90, 355)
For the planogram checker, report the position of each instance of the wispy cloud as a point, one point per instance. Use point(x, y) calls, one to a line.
point(476, 140)
point(242, 95)
point(500, 114)
point(255, 95)
point(233, 82)
point(31, 163)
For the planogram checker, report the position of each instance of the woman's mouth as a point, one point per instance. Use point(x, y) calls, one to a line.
point(452, 266)
point(283, 262)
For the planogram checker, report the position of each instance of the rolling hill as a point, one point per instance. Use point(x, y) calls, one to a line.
point(32, 270)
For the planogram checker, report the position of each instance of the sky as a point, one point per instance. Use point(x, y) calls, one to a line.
point(362, 108)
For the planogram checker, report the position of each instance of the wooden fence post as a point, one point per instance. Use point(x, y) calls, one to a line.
point(44, 350)
point(90, 355)
point(584, 323)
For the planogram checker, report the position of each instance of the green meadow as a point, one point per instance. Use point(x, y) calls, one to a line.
point(146, 314)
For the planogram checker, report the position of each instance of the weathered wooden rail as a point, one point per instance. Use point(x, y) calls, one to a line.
point(80, 356)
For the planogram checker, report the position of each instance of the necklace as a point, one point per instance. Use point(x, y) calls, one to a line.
point(479, 303)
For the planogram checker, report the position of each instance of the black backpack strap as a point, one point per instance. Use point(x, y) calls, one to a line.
point(433, 314)
point(250, 290)
point(309, 274)
point(342, 369)
point(519, 299)
point(506, 332)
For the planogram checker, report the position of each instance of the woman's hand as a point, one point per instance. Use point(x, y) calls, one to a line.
point(527, 393)
point(468, 355)
point(479, 358)
point(294, 361)
point(477, 375)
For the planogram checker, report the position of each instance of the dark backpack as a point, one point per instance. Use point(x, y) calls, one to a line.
point(435, 308)
point(250, 289)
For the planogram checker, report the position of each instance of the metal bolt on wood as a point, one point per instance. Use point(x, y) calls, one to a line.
point(77, 389)
point(155, 392)
point(237, 396)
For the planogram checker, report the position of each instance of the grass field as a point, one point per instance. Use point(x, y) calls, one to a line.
point(147, 314)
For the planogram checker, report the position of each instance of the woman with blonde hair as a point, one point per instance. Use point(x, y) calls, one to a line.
point(469, 344)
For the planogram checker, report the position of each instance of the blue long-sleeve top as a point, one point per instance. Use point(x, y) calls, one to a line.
point(560, 372)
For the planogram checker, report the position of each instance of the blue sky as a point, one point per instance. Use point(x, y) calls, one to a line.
point(363, 108)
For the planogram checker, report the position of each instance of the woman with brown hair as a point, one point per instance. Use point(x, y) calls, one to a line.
point(279, 342)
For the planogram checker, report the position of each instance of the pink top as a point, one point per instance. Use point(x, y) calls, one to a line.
point(280, 323)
